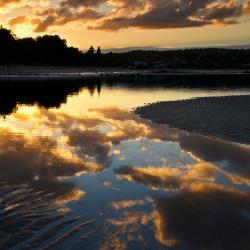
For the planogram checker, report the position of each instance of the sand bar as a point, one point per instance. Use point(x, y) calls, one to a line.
point(224, 117)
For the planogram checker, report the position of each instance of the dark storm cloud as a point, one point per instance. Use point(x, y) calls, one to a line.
point(179, 14)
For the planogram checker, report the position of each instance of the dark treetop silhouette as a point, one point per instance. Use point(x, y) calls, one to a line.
point(51, 93)
point(52, 50)
point(44, 50)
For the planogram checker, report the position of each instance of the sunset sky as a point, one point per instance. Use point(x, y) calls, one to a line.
point(131, 23)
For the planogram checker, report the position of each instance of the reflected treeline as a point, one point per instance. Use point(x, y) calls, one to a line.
point(47, 94)
point(51, 92)
point(182, 80)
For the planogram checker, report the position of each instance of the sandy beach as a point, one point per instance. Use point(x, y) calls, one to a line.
point(224, 117)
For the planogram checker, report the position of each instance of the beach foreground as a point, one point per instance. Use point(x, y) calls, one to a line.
point(224, 117)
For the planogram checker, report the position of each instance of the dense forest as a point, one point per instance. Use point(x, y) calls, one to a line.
point(54, 51)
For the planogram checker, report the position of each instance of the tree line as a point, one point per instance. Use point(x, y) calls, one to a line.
point(43, 50)
point(54, 51)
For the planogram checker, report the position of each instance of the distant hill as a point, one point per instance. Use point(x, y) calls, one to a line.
point(151, 48)
point(127, 49)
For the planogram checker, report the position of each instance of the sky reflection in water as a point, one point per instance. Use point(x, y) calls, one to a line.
point(148, 186)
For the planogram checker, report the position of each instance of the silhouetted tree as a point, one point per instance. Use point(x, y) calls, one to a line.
point(26, 51)
point(98, 56)
point(91, 57)
point(56, 47)
point(6, 36)
point(52, 50)
point(44, 50)
point(91, 50)
point(7, 46)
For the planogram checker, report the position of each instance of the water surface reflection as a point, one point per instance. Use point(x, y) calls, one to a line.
point(146, 186)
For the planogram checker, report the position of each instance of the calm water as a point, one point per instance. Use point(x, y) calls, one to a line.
point(83, 172)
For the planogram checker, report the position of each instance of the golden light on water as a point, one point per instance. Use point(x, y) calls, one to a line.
point(89, 153)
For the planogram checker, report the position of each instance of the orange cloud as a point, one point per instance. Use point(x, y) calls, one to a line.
point(148, 14)
point(17, 20)
point(3, 3)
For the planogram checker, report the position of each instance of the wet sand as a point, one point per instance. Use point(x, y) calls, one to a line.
point(224, 117)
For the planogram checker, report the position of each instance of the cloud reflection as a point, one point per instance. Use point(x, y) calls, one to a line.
point(41, 144)
point(46, 148)
point(170, 179)
point(208, 216)
point(230, 156)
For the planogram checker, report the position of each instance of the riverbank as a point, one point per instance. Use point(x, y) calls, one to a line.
point(50, 70)
point(172, 77)
point(224, 117)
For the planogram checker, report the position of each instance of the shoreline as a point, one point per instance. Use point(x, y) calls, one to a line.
point(29, 70)
point(227, 117)
point(23, 73)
